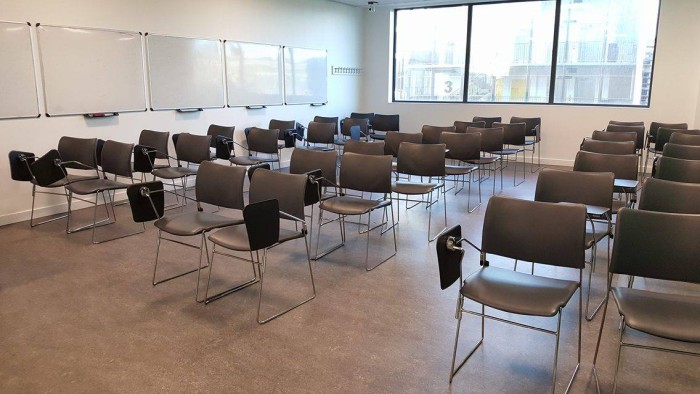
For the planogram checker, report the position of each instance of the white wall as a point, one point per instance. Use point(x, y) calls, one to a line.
point(675, 95)
point(305, 23)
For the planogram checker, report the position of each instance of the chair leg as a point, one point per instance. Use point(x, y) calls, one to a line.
point(207, 299)
point(619, 355)
point(453, 370)
point(155, 265)
point(600, 335)
point(556, 352)
point(393, 229)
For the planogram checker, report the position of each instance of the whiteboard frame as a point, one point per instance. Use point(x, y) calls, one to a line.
point(284, 60)
point(148, 73)
point(281, 70)
point(43, 82)
point(34, 69)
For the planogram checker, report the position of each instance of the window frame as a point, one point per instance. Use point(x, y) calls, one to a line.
point(553, 65)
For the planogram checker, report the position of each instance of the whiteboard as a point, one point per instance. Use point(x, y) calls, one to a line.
point(305, 76)
point(18, 96)
point(185, 72)
point(91, 70)
point(253, 74)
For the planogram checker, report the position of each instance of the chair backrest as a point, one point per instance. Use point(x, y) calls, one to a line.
point(321, 133)
point(590, 188)
point(20, 163)
point(678, 170)
point(491, 138)
point(488, 121)
point(98, 151)
point(623, 166)
point(461, 127)
point(45, 169)
point(366, 173)
point(326, 119)
point(363, 115)
point(688, 152)
point(620, 136)
point(255, 167)
point(462, 146)
point(116, 158)
point(385, 122)
point(533, 126)
point(513, 133)
point(364, 148)
point(394, 139)
point(220, 185)
point(263, 140)
point(193, 148)
point(657, 245)
point(262, 223)
point(663, 136)
point(281, 126)
point(431, 134)
point(288, 189)
point(305, 160)
point(609, 147)
point(685, 139)
point(623, 123)
point(157, 140)
point(81, 150)
point(558, 239)
point(449, 261)
point(668, 196)
point(348, 123)
point(215, 131)
point(654, 127)
point(144, 209)
point(421, 159)
point(639, 130)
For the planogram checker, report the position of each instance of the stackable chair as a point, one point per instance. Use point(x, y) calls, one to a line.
point(667, 196)
point(462, 147)
point(156, 143)
point(686, 152)
point(216, 133)
point(422, 160)
point(663, 136)
point(394, 139)
point(654, 128)
point(346, 128)
point(363, 173)
point(147, 203)
point(320, 166)
point(660, 246)
point(619, 136)
point(513, 135)
point(365, 148)
point(328, 119)
point(558, 240)
point(259, 141)
point(431, 134)
point(491, 141)
point(273, 196)
point(488, 121)
point(363, 115)
point(625, 168)
point(320, 136)
point(384, 123)
point(461, 127)
point(654, 145)
point(608, 147)
point(685, 139)
point(638, 130)
point(677, 170)
point(284, 128)
point(595, 191)
point(533, 132)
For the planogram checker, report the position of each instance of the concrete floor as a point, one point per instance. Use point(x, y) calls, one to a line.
point(77, 317)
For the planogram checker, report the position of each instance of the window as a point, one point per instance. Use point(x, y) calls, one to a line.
point(604, 52)
point(430, 54)
point(511, 52)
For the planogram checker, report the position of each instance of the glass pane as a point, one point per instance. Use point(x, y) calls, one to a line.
point(605, 52)
point(511, 52)
point(430, 50)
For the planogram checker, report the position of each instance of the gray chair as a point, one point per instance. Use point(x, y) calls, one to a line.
point(363, 173)
point(677, 170)
point(672, 197)
point(461, 127)
point(421, 160)
point(608, 147)
point(654, 128)
point(686, 152)
point(661, 246)
point(533, 132)
point(431, 134)
point(625, 168)
point(320, 136)
point(116, 160)
point(462, 147)
point(513, 135)
point(158, 141)
point(638, 130)
point(191, 149)
point(320, 166)
point(216, 131)
point(557, 240)
point(345, 130)
point(595, 191)
point(394, 139)
point(273, 196)
point(685, 139)
point(363, 115)
point(365, 148)
point(328, 119)
point(147, 203)
point(260, 141)
point(283, 127)
point(619, 136)
point(383, 124)
point(654, 144)
point(488, 121)
point(491, 141)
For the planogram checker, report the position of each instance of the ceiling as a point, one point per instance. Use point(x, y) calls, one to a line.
point(408, 3)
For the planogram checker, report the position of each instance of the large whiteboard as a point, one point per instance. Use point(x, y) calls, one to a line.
point(18, 95)
point(305, 76)
point(91, 70)
point(253, 74)
point(185, 72)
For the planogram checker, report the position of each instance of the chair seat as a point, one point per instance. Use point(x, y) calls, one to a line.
point(236, 237)
point(505, 152)
point(245, 160)
point(70, 179)
point(671, 316)
point(349, 205)
point(412, 188)
point(459, 170)
point(174, 172)
point(527, 142)
point(193, 223)
point(317, 148)
point(91, 186)
point(517, 292)
point(483, 160)
point(601, 230)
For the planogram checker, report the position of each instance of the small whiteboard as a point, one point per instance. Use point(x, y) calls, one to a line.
point(253, 74)
point(91, 70)
point(305, 76)
point(18, 96)
point(185, 72)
